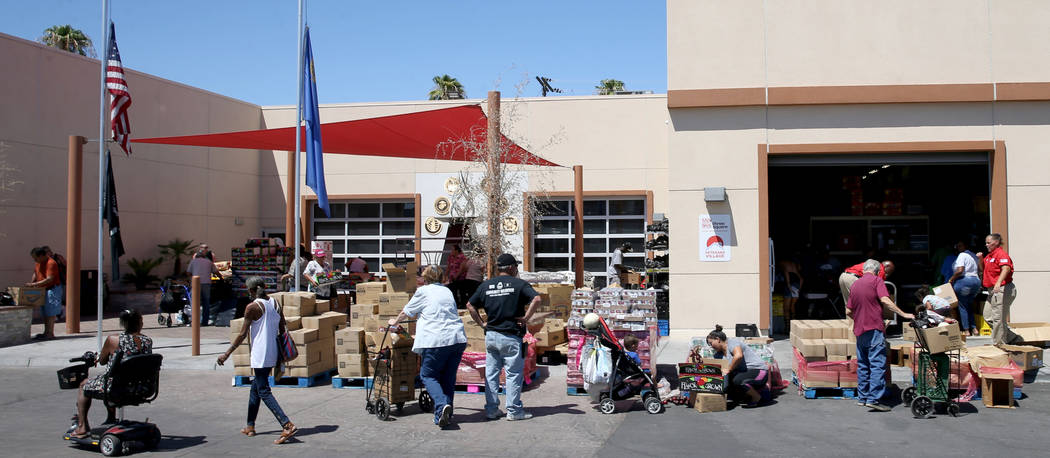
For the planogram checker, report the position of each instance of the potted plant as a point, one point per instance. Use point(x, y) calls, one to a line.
point(142, 272)
point(175, 250)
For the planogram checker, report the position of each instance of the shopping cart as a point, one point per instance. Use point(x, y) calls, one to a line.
point(931, 378)
point(383, 392)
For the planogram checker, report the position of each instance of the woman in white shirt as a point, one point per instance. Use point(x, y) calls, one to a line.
point(440, 340)
point(265, 322)
point(967, 285)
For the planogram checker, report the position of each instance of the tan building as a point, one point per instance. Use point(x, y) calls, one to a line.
point(840, 126)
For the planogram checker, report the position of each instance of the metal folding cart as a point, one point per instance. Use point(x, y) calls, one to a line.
point(931, 380)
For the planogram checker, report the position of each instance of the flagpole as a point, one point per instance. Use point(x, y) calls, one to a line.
point(298, 142)
point(103, 61)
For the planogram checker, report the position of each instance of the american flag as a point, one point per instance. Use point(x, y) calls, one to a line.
point(118, 88)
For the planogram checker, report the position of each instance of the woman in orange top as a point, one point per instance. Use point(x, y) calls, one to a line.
point(46, 275)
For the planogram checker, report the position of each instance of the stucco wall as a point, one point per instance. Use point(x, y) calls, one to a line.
point(164, 191)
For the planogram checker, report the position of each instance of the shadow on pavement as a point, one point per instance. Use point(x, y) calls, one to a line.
point(180, 442)
point(554, 410)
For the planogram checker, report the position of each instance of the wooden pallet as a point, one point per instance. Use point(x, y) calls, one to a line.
point(824, 392)
point(288, 382)
point(353, 383)
point(575, 391)
point(476, 388)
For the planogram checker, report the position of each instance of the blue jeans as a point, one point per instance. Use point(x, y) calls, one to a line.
point(205, 303)
point(438, 371)
point(966, 290)
point(261, 390)
point(503, 352)
point(53, 301)
point(871, 366)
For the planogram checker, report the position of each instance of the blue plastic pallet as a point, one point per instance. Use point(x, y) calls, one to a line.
point(664, 327)
point(576, 391)
point(824, 393)
point(287, 382)
point(353, 383)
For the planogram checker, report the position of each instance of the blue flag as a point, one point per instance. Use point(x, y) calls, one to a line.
point(314, 153)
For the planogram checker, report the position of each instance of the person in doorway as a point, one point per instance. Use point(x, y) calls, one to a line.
point(46, 275)
point(130, 342)
point(792, 274)
point(509, 303)
point(867, 298)
point(264, 321)
point(967, 285)
point(998, 279)
point(616, 267)
point(746, 373)
point(851, 274)
point(202, 266)
point(440, 341)
point(455, 272)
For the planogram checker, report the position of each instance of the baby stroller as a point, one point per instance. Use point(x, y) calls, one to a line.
point(174, 298)
point(626, 379)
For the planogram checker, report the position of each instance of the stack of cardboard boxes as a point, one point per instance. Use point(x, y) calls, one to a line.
point(377, 303)
point(624, 311)
point(242, 356)
point(395, 378)
point(351, 353)
point(825, 353)
point(312, 327)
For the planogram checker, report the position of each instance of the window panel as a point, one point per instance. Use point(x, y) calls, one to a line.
point(392, 246)
point(592, 264)
point(637, 243)
point(362, 210)
point(330, 228)
point(356, 247)
point(626, 226)
point(553, 207)
point(593, 208)
point(373, 264)
point(551, 264)
point(399, 228)
point(338, 247)
point(552, 227)
point(552, 245)
point(627, 207)
point(338, 210)
point(362, 228)
point(338, 263)
point(399, 210)
point(595, 246)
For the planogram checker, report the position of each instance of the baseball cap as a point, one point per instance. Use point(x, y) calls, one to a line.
point(506, 260)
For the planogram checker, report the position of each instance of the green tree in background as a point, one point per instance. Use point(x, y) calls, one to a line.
point(609, 87)
point(447, 88)
point(67, 38)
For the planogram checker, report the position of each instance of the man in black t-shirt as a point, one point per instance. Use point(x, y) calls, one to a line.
point(509, 303)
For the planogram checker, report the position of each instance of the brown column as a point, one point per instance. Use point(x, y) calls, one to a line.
point(289, 202)
point(764, 320)
point(74, 204)
point(195, 301)
point(577, 233)
point(493, 151)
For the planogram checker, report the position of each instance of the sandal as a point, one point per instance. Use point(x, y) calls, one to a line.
point(75, 435)
point(287, 433)
point(248, 431)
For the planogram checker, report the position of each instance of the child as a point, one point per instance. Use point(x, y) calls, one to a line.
point(932, 317)
point(630, 343)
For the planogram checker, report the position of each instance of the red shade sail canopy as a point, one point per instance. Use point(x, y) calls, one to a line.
point(454, 134)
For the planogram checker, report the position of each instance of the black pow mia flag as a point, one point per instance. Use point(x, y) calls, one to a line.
point(109, 199)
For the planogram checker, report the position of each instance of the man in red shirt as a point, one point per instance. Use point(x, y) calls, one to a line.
point(851, 275)
point(998, 279)
point(866, 300)
point(46, 275)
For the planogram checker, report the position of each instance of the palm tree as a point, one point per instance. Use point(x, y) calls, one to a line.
point(67, 38)
point(174, 250)
point(609, 87)
point(447, 88)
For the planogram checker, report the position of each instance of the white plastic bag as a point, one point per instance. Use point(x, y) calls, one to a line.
point(596, 365)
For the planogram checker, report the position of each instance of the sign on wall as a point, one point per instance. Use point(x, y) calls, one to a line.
point(715, 237)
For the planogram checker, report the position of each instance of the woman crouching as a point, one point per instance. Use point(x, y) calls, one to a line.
point(746, 373)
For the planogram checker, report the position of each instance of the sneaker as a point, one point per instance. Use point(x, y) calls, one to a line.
point(495, 416)
point(446, 416)
point(861, 403)
point(521, 416)
point(877, 407)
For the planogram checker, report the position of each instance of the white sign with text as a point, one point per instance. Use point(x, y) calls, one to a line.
point(715, 238)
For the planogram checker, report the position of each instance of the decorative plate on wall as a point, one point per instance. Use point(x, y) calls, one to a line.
point(509, 225)
point(442, 205)
point(432, 225)
point(452, 185)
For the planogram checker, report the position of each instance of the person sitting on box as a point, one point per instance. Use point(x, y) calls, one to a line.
point(440, 341)
point(746, 373)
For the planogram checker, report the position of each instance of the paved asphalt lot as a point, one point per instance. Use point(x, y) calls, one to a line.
point(200, 414)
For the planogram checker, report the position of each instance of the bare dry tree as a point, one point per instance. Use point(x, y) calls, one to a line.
point(496, 197)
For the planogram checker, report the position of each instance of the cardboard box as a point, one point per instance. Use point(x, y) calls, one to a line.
point(300, 303)
point(393, 340)
point(1027, 357)
point(392, 303)
point(898, 354)
point(278, 297)
point(821, 379)
point(400, 280)
point(708, 402)
point(908, 332)
point(235, 327)
point(299, 310)
point(322, 305)
point(811, 348)
point(1032, 332)
point(553, 333)
point(313, 369)
point(476, 345)
point(722, 363)
point(241, 360)
point(947, 292)
point(848, 379)
point(352, 365)
point(311, 353)
point(997, 390)
point(243, 370)
point(303, 336)
point(840, 347)
point(325, 324)
point(943, 338)
point(243, 349)
point(358, 313)
point(28, 296)
point(350, 341)
point(368, 293)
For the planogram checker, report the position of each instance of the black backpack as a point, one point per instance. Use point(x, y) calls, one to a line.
point(61, 261)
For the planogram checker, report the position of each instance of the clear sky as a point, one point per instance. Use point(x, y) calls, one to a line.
point(373, 50)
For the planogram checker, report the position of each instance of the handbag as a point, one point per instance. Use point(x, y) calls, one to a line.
point(285, 345)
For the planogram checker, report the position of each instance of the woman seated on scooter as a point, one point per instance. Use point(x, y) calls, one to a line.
point(130, 342)
point(746, 373)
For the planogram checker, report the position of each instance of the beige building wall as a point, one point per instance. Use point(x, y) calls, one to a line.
point(757, 44)
point(164, 192)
